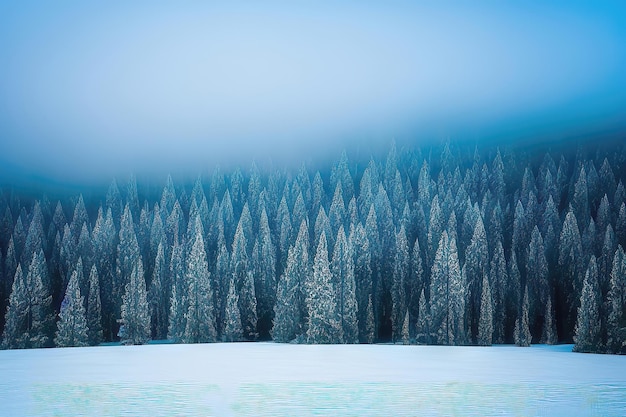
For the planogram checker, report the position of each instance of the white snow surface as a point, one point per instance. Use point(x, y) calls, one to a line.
point(270, 379)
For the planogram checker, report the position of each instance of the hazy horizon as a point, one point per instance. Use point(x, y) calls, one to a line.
point(90, 92)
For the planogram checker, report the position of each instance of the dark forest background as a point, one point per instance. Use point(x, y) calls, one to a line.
point(445, 244)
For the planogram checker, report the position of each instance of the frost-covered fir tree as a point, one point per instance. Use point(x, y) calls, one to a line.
point(446, 294)
point(244, 283)
point(548, 335)
point(178, 298)
point(616, 326)
point(290, 308)
point(200, 323)
point(522, 334)
point(342, 268)
point(72, 325)
point(16, 315)
point(135, 323)
point(485, 322)
point(587, 337)
point(127, 257)
point(398, 287)
point(423, 322)
point(157, 297)
point(29, 317)
point(232, 319)
point(362, 275)
point(324, 321)
point(264, 263)
point(477, 269)
point(94, 309)
point(405, 329)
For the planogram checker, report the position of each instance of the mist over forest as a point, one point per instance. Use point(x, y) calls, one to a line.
point(451, 244)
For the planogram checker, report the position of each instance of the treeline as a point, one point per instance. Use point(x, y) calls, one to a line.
point(448, 244)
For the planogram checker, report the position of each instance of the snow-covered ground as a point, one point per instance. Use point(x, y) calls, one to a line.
point(268, 379)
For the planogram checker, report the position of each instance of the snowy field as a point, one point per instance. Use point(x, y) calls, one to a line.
point(267, 379)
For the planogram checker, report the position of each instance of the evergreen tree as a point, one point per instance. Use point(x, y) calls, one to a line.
point(17, 313)
point(616, 328)
point(127, 258)
point(477, 269)
point(135, 323)
point(571, 270)
point(498, 278)
point(485, 322)
point(232, 319)
point(290, 309)
point(244, 282)
point(405, 329)
point(200, 323)
point(264, 263)
point(157, 297)
point(423, 322)
point(324, 321)
point(342, 269)
point(587, 335)
point(178, 297)
point(522, 334)
point(362, 276)
point(400, 279)
point(548, 335)
point(446, 294)
point(94, 309)
point(72, 325)
point(537, 278)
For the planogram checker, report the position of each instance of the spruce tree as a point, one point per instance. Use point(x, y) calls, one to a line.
point(200, 323)
point(290, 309)
point(423, 323)
point(244, 282)
point(616, 326)
point(548, 334)
point(587, 336)
point(264, 264)
point(178, 297)
point(94, 309)
point(446, 294)
point(324, 321)
point(522, 334)
point(342, 269)
point(398, 288)
point(232, 319)
point(157, 297)
point(72, 325)
point(135, 323)
point(485, 322)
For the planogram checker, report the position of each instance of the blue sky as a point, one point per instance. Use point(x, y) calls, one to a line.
point(91, 91)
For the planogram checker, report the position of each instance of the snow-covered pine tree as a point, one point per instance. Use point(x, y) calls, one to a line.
point(94, 309)
point(446, 294)
point(423, 322)
point(127, 258)
point(548, 334)
point(485, 322)
point(498, 277)
point(342, 268)
point(244, 283)
point(405, 329)
point(522, 334)
point(264, 263)
point(290, 308)
point(477, 269)
point(72, 325)
point(232, 319)
point(178, 298)
point(616, 326)
point(398, 287)
point(157, 297)
point(587, 336)
point(324, 321)
point(135, 323)
point(362, 275)
point(200, 323)
point(16, 315)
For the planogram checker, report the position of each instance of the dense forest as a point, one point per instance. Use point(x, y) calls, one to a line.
point(449, 244)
